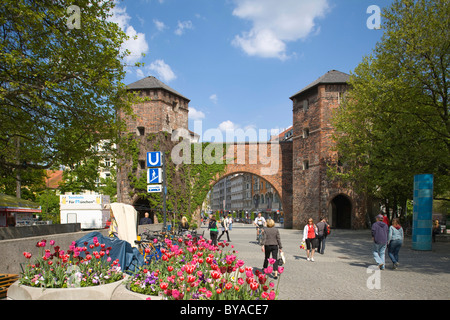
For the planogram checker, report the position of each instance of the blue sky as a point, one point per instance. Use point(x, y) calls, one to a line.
point(239, 61)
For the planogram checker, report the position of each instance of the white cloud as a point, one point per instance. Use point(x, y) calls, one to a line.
point(227, 125)
point(213, 98)
point(182, 25)
point(159, 25)
point(163, 70)
point(140, 73)
point(274, 23)
point(136, 44)
point(195, 114)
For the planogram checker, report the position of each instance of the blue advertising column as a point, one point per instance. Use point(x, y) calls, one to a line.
point(422, 212)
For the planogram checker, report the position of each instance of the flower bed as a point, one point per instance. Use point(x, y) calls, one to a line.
point(77, 267)
point(196, 269)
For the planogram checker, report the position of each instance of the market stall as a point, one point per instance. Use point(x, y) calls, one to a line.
point(17, 212)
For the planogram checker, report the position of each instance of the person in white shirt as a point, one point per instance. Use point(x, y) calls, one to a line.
point(225, 226)
point(260, 223)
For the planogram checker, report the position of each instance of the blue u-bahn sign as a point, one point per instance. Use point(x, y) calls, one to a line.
point(154, 159)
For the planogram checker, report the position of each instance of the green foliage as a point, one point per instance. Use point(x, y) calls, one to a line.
point(394, 121)
point(49, 201)
point(187, 183)
point(60, 88)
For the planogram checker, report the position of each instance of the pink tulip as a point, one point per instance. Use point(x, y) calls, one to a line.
point(272, 295)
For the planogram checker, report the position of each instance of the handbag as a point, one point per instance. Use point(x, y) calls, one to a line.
point(303, 245)
point(281, 259)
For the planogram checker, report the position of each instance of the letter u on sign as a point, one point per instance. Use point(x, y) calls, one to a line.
point(154, 159)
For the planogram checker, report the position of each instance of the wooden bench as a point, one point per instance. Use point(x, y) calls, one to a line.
point(5, 281)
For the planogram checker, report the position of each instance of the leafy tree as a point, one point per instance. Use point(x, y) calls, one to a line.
point(394, 122)
point(60, 87)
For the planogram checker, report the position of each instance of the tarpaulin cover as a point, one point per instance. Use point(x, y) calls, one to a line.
point(129, 257)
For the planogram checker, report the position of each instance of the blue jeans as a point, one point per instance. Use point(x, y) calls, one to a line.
point(321, 247)
point(379, 251)
point(394, 248)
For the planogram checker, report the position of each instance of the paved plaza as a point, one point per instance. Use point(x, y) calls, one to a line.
point(344, 271)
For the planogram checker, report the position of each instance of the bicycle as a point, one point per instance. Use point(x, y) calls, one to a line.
point(260, 234)
point(150, 244)
point(149, 250)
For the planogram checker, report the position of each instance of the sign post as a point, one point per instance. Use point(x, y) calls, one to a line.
point(156, 178)
point(164, 192)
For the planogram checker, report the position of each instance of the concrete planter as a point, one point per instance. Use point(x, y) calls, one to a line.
point(124, 293)
point(112, 291)
point(102, 292)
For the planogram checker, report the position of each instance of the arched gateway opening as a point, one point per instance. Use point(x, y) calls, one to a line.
point(340, 212)
point(243, 195)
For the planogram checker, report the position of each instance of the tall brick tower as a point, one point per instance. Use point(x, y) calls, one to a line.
point(165, 111)
point(314, 195)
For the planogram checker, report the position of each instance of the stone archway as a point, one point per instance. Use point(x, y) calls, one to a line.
point(143, 205)
point(270, 161)
point(340, 212)
point(258, 200)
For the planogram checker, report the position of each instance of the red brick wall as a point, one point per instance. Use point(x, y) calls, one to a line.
point(313, 190)
point(164, 112)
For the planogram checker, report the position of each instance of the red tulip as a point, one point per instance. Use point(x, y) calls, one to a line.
point(254, 286)
point(164, 285)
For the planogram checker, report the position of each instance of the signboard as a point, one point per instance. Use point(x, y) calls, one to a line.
point(156, 169)
point(154, 175)
point(154, 159)
point(154, 188)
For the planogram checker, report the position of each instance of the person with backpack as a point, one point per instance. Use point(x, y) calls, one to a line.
point(323, 230)
point(225, 224)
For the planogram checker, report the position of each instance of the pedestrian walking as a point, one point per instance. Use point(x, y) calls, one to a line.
point(436, 230)
point(395, 241)
point(224, 228)
point(271, 244)
point(322, 233)
point(213, 231)
point(310, 238)
point(380, 239)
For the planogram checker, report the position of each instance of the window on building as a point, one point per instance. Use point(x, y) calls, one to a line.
point(142, 164)
point(305, 105)
point(107, 162)
point(175, 106)
point(305, 133)
point(305, 165)
point(141, 131)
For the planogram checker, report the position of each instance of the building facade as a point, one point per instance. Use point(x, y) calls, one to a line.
point(306, 148)
point(314, 194)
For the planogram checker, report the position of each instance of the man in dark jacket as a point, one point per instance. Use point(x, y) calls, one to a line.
point(146, 219)
point(380, 236)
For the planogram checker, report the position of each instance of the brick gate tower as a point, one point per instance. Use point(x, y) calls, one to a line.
point(314, 194)
point(164, 111)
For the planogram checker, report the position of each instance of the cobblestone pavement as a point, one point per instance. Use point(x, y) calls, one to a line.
point(345, 271)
